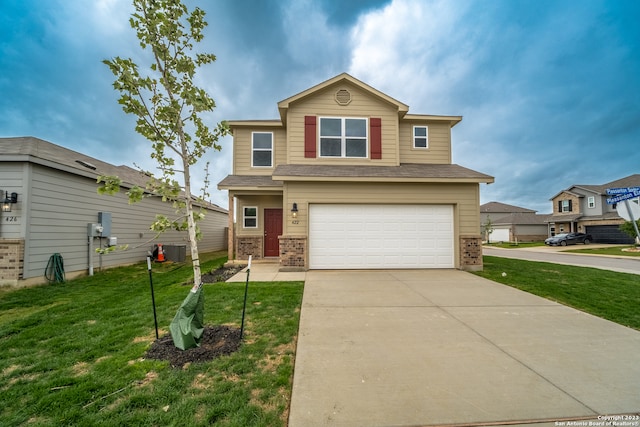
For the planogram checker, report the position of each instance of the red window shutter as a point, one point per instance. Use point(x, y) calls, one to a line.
point(310, 135)
point(375, 125)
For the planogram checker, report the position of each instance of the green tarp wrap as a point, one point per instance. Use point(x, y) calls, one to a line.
point(187, 325)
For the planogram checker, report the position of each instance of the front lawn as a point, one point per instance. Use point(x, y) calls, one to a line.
point(607, 294)
point(613, 250)
point(73, 353)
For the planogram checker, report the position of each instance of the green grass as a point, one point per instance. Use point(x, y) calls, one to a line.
point(73, 353)
point(508, 245)
point(614, 250)
point(607, 294)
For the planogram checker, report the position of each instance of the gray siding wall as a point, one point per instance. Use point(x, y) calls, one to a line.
point(598, 210)
point(61, 205)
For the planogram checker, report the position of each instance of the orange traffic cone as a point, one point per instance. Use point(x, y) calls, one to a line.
point(160, 254)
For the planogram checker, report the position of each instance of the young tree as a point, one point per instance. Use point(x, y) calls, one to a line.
point(631, 230)
point(169, 108)
point(488, 229)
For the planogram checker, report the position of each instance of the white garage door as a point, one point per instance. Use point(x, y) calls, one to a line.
point(380, 236)
point(499, 235)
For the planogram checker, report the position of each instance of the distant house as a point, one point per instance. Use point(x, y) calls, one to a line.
point(584, 208)
point(57, 209)
point(346, 178)
point(512, 223)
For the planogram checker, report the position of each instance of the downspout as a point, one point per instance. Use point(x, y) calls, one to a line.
point(90, 255)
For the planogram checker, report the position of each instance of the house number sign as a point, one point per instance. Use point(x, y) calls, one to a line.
point(11, 219)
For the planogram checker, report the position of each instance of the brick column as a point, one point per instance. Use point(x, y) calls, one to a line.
point(11, 261)
point(293, 253)
point(471, 253)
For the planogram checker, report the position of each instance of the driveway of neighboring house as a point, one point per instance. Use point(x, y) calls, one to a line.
point(433, 347)
point(555, 255)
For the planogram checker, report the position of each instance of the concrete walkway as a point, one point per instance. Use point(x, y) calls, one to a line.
point(434, 347)
point(268, 272)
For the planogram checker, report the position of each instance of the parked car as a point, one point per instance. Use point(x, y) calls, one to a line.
point(565, 239)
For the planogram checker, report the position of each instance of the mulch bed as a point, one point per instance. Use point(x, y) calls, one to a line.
point(216, 341)
point(221, 275)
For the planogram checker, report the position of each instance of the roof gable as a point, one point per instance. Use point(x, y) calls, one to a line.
point(283, 105)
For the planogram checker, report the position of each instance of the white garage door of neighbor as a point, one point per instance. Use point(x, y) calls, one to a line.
point(380, 236)
point(499, 235)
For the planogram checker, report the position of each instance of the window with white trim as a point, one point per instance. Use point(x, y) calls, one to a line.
point(591, 202)
point(565, 206)
point(250, 217)
point(262, 149)
point(420, 137)
point(343, 137)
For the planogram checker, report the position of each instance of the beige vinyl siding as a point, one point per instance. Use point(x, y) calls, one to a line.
point(262, 203)
point(242, 150)
point(63, 204)
point(439, 140)
point(323, 104)
point(463, 197)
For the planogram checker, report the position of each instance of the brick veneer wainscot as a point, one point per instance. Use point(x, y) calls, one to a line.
point(249, 245)
point(11, 260)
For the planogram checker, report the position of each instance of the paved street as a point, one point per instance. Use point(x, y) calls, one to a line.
point(554, 254)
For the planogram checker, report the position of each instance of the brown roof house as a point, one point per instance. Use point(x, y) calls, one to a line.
point(512, 223)
point(58, 210)
point(346, 178)
point(584, 208)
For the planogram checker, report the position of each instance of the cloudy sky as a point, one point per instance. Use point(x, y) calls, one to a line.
point(549, 89)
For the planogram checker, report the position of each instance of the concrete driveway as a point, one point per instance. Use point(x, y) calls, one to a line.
point(433, 347)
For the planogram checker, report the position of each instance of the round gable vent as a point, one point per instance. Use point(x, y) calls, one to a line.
point(343, 97)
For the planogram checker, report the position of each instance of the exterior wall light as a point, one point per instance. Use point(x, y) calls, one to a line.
point(8, 201)
point(294, 210)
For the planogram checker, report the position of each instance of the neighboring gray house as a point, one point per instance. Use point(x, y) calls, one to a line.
point(57, 202)
point(584, 208)
point(512, 223)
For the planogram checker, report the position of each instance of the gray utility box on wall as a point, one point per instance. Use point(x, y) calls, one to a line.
point(175, 253)
point(104, 219)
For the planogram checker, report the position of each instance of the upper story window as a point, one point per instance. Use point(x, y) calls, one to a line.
point(591, 202)
point(420, 137)
point(262, 149)
point(343, 137)
point(565, 206)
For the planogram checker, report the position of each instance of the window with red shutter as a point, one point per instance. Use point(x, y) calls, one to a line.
point(310, 136)
point(375, 125)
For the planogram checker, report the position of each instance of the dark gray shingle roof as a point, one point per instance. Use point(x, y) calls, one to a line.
point(407, 171)
point(248, 181)
point(497, 207)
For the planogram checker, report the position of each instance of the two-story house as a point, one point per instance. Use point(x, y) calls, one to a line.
point(346, 178)
point(584, 208)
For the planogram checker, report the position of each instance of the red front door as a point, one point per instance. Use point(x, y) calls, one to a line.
point(272, 229)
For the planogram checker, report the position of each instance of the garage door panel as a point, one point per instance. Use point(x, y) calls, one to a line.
point(381, 236)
